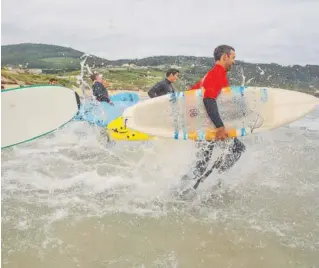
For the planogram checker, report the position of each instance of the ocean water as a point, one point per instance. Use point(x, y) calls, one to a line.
point(69, 200)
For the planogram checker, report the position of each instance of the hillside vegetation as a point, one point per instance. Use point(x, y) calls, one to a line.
point(142, 73)
point(44, 56)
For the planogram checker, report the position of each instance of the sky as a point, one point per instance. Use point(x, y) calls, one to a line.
point(261, 31)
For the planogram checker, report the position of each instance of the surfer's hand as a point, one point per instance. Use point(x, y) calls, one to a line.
point(221, 133)
point(111, 103)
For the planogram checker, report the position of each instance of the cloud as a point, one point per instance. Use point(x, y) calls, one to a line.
point(279, 31)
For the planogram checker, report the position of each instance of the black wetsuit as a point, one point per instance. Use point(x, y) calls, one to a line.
point(161, 88)
point(205, 148)
point(228, 159)
point(100, 92)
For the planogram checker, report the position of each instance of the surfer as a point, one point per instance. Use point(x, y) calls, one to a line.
point(99, 90)
point(213, 82)
point(165, 86)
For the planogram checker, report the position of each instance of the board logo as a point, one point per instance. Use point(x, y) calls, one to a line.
point(193, 112)
point(125, 122)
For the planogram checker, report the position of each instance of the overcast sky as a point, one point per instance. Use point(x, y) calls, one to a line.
point(262, 31)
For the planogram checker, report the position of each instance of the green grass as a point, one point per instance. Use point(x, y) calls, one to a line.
point(129, 79)
point(142, 79)
point(119, 78)
point(35, 79)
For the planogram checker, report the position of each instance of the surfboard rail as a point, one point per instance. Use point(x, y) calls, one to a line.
point(31, 112)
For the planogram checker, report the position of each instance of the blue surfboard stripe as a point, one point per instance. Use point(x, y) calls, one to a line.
point(201, 135)
point(238, 89)
point(264, 95)
point(173, 99)
point(176, 135)
point(182, 96)
point(243, 132)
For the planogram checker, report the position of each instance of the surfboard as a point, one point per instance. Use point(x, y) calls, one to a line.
point(30, 112)
point(125, 97)
point(101, 113)
point(117, 130)
point(244, 111)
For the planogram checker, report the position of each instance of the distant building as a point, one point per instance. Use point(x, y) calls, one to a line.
point(35, 71)
point(130, 66)
point(176, 66)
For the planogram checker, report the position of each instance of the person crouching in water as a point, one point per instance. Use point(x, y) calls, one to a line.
point(99, 90)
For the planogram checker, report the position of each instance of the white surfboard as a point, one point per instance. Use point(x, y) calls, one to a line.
point(244, 110)
point(31, 112)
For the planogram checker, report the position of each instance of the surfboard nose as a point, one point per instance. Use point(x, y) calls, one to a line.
point(288, 106)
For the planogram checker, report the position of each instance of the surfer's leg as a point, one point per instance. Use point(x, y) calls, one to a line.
point(203, 156)
point(232, 155)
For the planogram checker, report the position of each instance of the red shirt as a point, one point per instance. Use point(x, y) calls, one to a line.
point(213, 82)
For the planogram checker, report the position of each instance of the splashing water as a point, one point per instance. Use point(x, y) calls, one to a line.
point(68, 202)
point(80, 79)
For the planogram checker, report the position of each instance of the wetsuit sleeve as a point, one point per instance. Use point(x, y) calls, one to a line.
point(159, 89)
point(154, 91)
point(106, 94)
point(212, 111)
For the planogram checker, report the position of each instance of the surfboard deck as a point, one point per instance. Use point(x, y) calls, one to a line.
point(102, 113)
point(31, 112)
point(117, 130)
point(244, 111)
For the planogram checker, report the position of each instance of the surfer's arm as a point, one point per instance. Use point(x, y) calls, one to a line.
point(198, 85)
point(212, 111)
point(106, 94)
point(108, 100)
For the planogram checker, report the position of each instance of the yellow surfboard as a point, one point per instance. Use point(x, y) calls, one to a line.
point(118, 131)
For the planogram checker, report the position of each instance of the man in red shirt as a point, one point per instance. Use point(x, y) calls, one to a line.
point(213, 82)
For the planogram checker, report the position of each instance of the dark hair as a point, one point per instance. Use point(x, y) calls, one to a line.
point(222, 49)
point(93, 76)
point(52, 79)
point(171, 71)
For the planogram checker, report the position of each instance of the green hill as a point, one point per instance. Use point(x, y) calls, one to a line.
point(44, 56)
point(54, 59)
